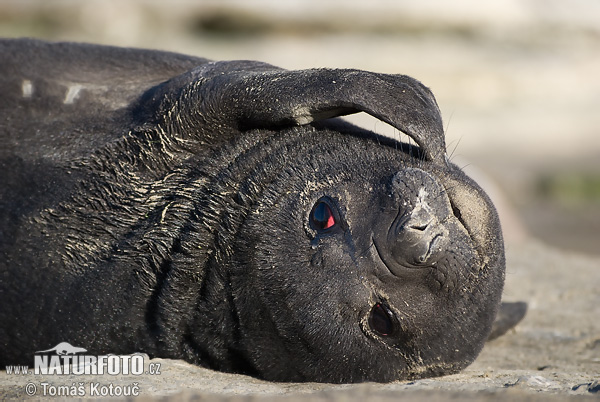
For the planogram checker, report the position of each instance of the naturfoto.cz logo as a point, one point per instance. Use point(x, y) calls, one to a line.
point(65, 359)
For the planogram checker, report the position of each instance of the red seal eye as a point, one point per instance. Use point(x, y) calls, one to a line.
point(321, 217)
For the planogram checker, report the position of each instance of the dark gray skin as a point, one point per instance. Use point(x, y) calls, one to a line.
point(159, 203)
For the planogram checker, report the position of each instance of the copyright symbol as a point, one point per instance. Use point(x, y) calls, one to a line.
point(30, 389)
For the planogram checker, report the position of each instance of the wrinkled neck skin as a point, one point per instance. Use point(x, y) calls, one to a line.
point(196, 316)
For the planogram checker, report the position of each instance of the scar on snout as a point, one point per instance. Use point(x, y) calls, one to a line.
point(27, 88)
point(72, 94)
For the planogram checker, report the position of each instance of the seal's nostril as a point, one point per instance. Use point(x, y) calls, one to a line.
point(419, 227)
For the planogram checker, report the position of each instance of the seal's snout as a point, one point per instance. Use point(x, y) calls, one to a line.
point(418, 236)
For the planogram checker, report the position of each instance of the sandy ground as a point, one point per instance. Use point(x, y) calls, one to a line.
point(518, 85)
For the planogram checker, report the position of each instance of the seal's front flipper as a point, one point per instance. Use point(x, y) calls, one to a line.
point(509, 315)
point(248, 95)
point(301, 97)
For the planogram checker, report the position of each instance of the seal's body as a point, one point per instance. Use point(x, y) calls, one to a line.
point(208, 211)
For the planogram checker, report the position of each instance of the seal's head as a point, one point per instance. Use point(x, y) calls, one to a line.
point(367, 264)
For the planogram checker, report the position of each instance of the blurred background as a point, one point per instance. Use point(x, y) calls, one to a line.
point(518, 81)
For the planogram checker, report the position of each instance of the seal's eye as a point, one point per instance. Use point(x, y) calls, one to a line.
point(322, 217)
point(382, 320)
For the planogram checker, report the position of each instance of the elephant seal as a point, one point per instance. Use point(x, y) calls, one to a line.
point(213, 212)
